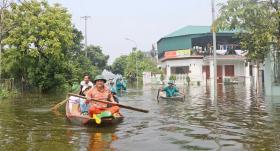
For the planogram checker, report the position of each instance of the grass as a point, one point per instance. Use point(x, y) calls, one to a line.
point(6, 94)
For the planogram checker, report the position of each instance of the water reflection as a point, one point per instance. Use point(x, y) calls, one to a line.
point(101, 141)
point(236, 120)
point(91, 139)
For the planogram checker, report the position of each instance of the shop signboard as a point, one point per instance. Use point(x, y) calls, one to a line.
point(177, 53)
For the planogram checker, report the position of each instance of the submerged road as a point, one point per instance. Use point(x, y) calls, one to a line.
point(238, 121)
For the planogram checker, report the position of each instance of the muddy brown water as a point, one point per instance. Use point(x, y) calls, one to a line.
point(237, 120)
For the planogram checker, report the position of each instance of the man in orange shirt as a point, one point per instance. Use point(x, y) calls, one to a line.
point(98, 110)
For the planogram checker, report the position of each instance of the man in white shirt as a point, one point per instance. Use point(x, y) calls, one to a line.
point(85, 84)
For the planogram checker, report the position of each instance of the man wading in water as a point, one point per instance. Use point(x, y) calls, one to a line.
point(100, 91)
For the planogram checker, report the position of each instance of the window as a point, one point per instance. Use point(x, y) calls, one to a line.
point(180, 70)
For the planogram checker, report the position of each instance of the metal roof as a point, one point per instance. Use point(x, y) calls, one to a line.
point(191, 30)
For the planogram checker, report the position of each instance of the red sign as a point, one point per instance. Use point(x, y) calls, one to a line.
point(170, 54)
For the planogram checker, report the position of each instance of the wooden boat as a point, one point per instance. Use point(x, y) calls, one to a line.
point(178, 97)
point(74, 116)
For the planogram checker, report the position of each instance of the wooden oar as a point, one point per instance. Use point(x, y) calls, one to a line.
point(59, 104)
point(158, 95)
point(111, 103)
point(54, 108)
point(183, 95)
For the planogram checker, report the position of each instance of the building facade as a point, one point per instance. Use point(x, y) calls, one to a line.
point(272, 73)
point(188, 52)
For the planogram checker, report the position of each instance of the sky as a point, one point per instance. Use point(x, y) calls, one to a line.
point(143, 21)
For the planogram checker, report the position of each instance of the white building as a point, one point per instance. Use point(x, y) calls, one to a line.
point(188, 51)
point(199, 68)
point(272, 74)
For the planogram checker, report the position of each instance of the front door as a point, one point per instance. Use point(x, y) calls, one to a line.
point(229, 70)
point(219, 74)
point(206, 70)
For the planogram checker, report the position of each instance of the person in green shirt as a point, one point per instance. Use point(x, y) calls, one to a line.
point(171, 89)
point(124, 82)
point(111, 84)
point(119, 85)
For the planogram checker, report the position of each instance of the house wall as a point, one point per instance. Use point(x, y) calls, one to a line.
point(239, 69)
point(270, 88)
point(195, 67)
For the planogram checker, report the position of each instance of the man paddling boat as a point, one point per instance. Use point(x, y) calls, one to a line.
point(100, 91)
point(171, 90)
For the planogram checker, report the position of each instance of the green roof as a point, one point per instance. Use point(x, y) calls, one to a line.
point(191, 30)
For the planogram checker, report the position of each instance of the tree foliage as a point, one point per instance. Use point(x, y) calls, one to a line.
point(134, 65)
point(119, 65)
point(43, 49)
point(97, 57)
point(253, 21)
point(258, 23)
point(37, 48)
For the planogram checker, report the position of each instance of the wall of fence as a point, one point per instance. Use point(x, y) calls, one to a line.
point(149, 78)
point(7, 84)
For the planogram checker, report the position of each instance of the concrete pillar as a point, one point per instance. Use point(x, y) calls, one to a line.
point(211, 78)
point(168, 72)
point(211, 69)
point(255, 70)
point(247, 70)
point(267, 76)
point(247, 74)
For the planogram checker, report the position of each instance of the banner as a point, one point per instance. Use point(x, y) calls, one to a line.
point(183, 52)
point(178, 53)
point(170, 54)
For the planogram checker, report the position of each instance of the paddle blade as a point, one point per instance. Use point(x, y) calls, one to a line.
point(59, 105)
point(158, 95)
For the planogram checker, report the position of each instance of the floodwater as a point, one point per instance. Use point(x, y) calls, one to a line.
point(237, 120)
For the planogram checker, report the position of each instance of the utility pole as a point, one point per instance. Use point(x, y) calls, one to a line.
point(214, 48)
point(85, 18)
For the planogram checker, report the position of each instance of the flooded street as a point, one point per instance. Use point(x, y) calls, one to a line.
point(238, 121)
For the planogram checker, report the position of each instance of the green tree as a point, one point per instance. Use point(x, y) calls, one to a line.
point(37, 48)
point(97, 57)
point(119, 65)
point(252, 20)
point(93, 65)
point(134, 65)
point(44, 49)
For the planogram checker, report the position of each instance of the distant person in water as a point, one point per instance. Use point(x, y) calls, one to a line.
point(114, 93)
point(86, 83)
point(111, 84)
point(120, 85)
point(124, 82)
point(171, 89)
point(113, 90)
point(188, 79)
